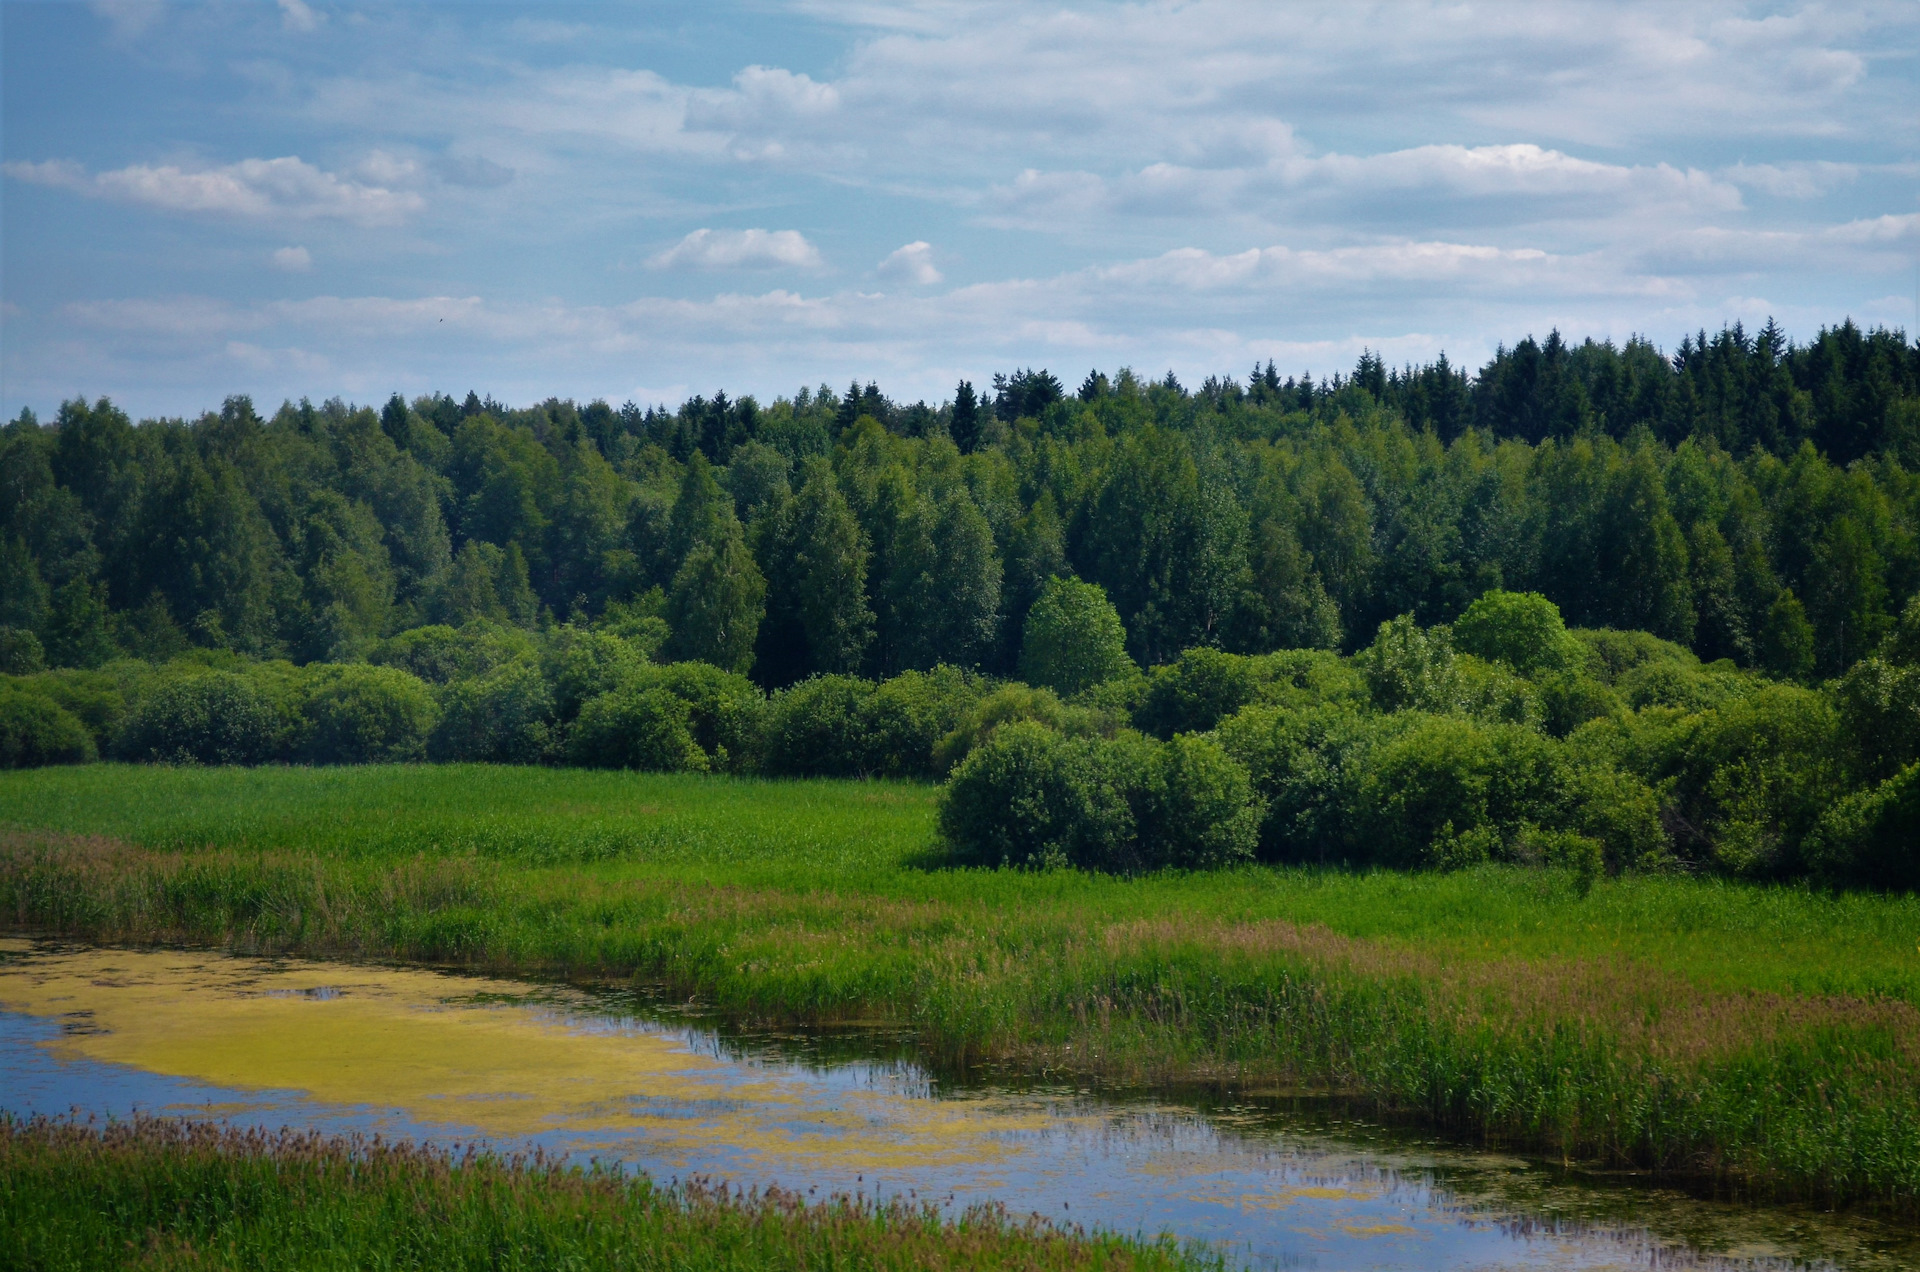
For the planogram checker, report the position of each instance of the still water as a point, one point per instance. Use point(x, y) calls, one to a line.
point(617, 1076)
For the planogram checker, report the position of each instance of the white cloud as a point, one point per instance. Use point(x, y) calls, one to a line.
point(912, 263)
point(263, 188)
point(739, 249)
point(295, 260)
point(130, 19)
point(295, 15)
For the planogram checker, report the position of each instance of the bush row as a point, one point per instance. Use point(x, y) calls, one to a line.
point(1504, 737)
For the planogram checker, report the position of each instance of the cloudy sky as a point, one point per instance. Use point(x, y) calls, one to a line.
point(647, 201)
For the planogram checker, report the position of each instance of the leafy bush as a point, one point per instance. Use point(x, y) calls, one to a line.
point(20, 652)
point(1753, 777)
point(1073, 639)
point(1304, 764)
point(1611, 654)
point(1521, 629)
point(1688, 686)
point(358, 714)
point(502, 717)
point(1030, 797)
point(842, 726)
point(1879, 707)
point(1011, 702)
point(817, 728)
point(97, 698)
point(726, 711)
point(1205, 686)
point(636, 728)
point(36, 731)
point(1409, 667)
point(1449, 792)
point(581, 663)
point(1872, 837)
point(209, 717)
point(1203, 812)
point(440, 654)
point(910, 715)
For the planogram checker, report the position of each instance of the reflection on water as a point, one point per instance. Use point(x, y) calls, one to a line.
point(427, 1055)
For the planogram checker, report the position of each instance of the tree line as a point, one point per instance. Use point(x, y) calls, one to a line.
point(1748, 498)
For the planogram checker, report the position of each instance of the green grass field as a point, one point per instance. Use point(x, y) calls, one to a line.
point(1768, 1037)
point(166, 1194)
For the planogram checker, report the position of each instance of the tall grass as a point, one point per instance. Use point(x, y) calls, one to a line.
point(1766, 1037)
point(164, 1194)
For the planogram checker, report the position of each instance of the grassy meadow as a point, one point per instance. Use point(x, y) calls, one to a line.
point(1768, 1038)
point(192, 1195)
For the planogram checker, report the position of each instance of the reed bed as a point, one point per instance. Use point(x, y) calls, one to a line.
point(165, 1194)
point(1766, 1039)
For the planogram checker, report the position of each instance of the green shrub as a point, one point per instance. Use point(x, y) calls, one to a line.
point(1011, 702)
point(440, 654)
point(1872, 837)
point(1520, 629)
point(1753, 778)
point(581, 663)
point(1426, 794)
point(205, 717)
point(1304, 765)
point(353, 713)
point(1570, 699)
point(503, 717)
point(20, 652)
point(726, 711)
point(909, 716)
point(1687, 686)
point(1409, 667)
point(1493, 692)
point(97, 698)
point(1203, 813)
point(1030, 797)
point(1878, 702)
point(1073, 639)
point(818, 728)
point(1612, 654)
point(36, 731)
point(636, 728)
point(1205, 686)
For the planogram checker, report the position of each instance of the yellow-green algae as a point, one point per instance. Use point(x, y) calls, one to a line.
point(432, 1047)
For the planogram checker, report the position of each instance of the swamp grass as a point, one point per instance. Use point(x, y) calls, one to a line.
point(1768, 1038)
point(166, 1194)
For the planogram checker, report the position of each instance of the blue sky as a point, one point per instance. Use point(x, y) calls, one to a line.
point(648, 201)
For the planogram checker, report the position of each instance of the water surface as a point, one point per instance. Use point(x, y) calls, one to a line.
point(434, 1056)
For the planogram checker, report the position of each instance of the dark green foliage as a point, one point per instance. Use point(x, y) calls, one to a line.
point(818, 728)
point(501, 716)
point(1033, 798)
point(636, 728)
point(364, 715)
point(1872, 837)
point(717, 602)
point(212, 717)
point(20, 652)
point(36, 731)
point(1073, 639)
point(1205, 686)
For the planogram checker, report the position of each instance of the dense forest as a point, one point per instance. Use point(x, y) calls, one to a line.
point(1751, 505)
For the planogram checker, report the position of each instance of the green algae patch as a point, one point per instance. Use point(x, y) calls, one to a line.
point(479, 1056)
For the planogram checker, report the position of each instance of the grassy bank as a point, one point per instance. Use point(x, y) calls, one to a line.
point(1768, 1037)
point(166, 1194)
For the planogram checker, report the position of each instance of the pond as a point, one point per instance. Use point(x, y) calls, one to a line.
point(621, 1076)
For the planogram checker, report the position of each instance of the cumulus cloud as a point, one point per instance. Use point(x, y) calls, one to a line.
point(739, 249)
point(297, 16)
point(912, 263)
point(260, 188)
point(295, 260)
